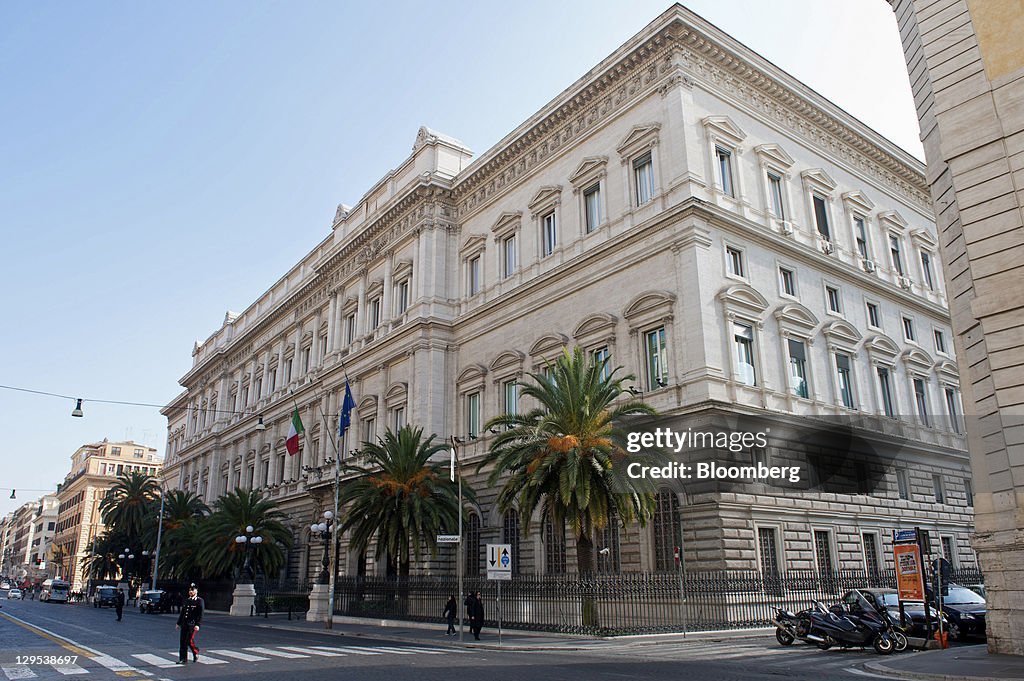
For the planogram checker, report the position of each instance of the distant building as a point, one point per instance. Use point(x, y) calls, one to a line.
point(687, 209)
point(26, 535)
point(94, 470)
point(966, 65)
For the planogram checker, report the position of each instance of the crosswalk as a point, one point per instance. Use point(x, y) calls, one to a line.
point(148, 662)
point(760, 653)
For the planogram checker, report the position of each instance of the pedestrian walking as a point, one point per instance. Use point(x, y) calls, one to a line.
point(475, 607)
point(119, 604)
point(451, 612)
point(189, 618)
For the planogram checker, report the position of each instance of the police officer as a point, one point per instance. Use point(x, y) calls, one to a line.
point(119, 604)
point(189, 618)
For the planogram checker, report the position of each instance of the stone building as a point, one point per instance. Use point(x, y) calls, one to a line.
point(966, 65)
point(94, 470)
point(739, 243)
point(27, 536)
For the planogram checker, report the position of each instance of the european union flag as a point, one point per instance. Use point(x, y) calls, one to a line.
point(345, 418)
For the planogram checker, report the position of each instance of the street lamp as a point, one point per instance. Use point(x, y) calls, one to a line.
point(323, 532)
point(248, 539)
point(126, 557)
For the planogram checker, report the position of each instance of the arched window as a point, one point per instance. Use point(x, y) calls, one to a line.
point(510, 536)
point(472, 556)
point(609, 561)
point(668, 531)
point(554, 547)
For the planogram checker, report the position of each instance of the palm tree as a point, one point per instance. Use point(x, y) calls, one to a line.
point(128, 504)
point(219, 555)
point(184, 512)
point(569, 456)
point(400, 497)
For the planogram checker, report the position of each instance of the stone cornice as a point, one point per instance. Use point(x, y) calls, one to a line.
point(679, 42)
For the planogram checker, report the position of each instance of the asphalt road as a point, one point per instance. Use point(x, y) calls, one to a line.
point(145, 646)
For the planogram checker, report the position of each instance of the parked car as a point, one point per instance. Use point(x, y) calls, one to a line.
point(104, 596)
point(965, 611)
point(154, 601)
point(914, 623)
point(14, 595)
point(5, 585)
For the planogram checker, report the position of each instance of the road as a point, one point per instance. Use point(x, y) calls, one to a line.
point(98, 648)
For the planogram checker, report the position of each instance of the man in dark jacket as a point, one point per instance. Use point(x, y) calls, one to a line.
point(119, 604)
point(189, 618)
point(476, 613)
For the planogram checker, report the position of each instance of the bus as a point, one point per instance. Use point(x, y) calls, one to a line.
point(55, 592)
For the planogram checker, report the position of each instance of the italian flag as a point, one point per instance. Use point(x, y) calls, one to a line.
point(296, 429)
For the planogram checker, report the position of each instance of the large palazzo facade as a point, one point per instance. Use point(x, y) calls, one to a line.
point(734, 240)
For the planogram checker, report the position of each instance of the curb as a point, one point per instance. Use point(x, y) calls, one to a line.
point(891, 671)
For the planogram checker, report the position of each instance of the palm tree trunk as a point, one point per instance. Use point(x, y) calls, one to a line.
point(585, 565)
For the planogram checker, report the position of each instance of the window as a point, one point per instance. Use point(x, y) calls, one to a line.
point(375, 313)
point(940, 341)
point(845, 379)
point(768, 549)
point(861, 235)
point(734, 261)
point(894, 253)
point(951, 410)
point(926, 270)
point(938, 489)
point(921, 399)
point(775, 196)
point(115, 451)
point(607, 546)
point(643, 179)
point(874, 318)
point(280, 468)
point(798, 368)
point(510, 535)
point(668, 531)
point(472, 555)
point(602, 355)
point(871, 565)
point(787, 280)
point(323, 346)
point(968, 492)
point(508, 256)
point(473, 415)
point(554, 547)
point(743, 340)
point(273, 379)
point(908, 328)
point(821, 216)
point(592, 207)
point(902, 484)
point(947, 549)
point(823, 550)
point(549, 234)
point(369, 429)
point(398, 418)
point(885, 391)
point(473, 275)
point(724, 160)
point(402, 297)
point(138, 453)
point(657, 367)
point(510, 395)
point(861, 472)
point(833, 299)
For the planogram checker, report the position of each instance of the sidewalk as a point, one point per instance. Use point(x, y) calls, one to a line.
point(424, 633)
point(963, 663)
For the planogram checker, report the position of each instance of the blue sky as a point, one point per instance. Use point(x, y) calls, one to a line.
point(161, 163)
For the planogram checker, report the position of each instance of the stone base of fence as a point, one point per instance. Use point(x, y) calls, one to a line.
point(243, 600)
point(319, 598)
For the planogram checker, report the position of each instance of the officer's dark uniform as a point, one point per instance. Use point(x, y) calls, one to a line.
point(190, 617)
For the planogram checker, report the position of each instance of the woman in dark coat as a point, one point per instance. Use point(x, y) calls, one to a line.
point(451, 612)
point(476, 613)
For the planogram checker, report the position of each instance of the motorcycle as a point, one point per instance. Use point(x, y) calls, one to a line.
point(860, 626)
point(790, 626)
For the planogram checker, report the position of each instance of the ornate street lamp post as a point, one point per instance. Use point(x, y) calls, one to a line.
point(249, 540)
point(323, 531)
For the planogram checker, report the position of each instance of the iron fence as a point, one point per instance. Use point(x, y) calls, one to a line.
point(281, 596)
point(605, 605)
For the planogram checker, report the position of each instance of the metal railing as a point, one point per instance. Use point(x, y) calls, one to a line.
point(627, 603)
point(282, 596)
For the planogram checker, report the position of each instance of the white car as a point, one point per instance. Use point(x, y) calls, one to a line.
point(5, 585)
point(14, 594)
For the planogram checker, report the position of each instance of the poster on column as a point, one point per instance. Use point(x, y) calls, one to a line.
point(909, 572)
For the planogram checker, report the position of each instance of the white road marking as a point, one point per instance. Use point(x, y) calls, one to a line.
point(312, 651)
point(245, 657)
point(274, 653)
point(154, 660)
point(69, 669)
point(112, 663)
point(395, 651)
point(354, 651)
point(432, 651)
point(21, 672)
